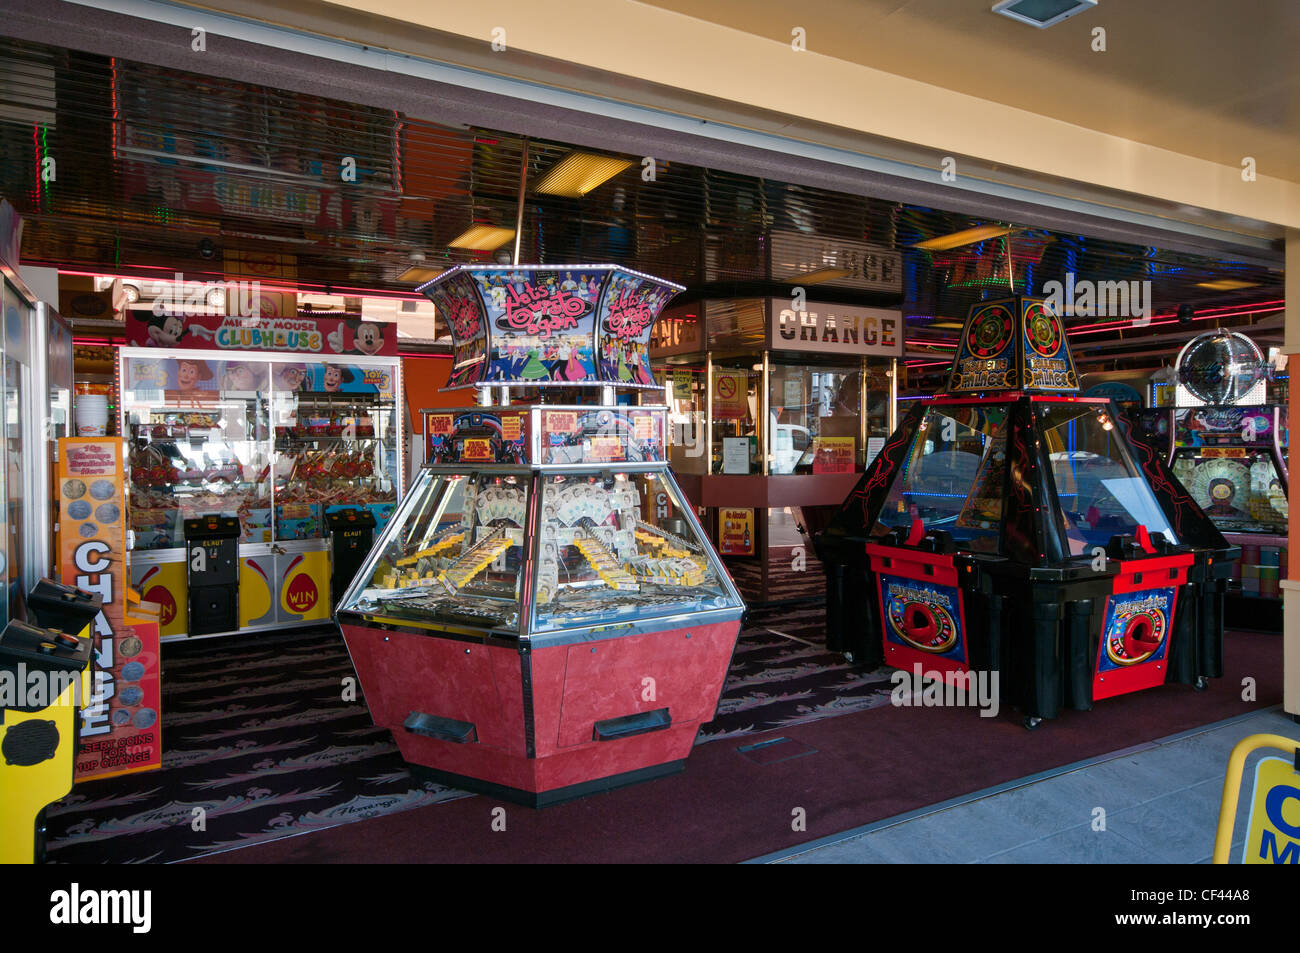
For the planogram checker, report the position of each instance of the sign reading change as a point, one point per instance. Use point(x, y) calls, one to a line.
point(834, 328)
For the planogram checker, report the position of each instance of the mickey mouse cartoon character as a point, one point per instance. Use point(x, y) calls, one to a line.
point(367, 336)
point(165, 330)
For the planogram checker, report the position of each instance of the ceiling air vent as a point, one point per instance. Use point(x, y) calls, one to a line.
point(1042, 13)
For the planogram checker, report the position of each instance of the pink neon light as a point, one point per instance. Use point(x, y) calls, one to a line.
point(347, 291)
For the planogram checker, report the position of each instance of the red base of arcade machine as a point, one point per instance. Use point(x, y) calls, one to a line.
point(923, 617)
point(539, 724)
point(1137, 622)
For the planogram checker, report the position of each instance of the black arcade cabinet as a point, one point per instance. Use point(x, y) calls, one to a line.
point(1010, 526)
point(212, 566)
point(352, 534)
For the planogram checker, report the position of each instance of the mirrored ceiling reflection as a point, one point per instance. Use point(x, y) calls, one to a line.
point(161, 169)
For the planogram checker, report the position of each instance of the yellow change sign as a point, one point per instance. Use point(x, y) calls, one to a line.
point(1273, 832)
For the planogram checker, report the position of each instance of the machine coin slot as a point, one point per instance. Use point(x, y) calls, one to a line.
point(444, 729)
point(64, 608)
point(612, 729)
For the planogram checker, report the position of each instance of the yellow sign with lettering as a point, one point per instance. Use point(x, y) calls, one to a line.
point(1273, 834)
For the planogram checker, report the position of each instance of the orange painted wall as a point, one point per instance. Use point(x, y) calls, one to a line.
point(424, 377)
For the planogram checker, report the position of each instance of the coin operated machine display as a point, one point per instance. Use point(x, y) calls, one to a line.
point(47, 662)
point(212, 565)
point(543, 618)
point(1229, 451)
point(1008, 526)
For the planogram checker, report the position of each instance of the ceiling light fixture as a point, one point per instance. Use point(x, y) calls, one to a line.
point(967, 236)
point(1042, 13)
point(419, 274)
point(579, 173)
point(1227, 284)
point(821, 274)
point(482, 238)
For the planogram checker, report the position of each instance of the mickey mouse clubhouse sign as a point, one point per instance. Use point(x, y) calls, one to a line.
point(304, 335)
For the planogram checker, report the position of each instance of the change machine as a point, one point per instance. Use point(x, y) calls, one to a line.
point(1008, 525)
point(212, 563)
point(352, 533)
point(543, 617)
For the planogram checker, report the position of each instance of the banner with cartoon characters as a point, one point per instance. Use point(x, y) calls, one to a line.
point(545, 325)
point(310, 336)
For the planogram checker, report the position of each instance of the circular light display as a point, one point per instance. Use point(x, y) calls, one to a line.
point(1220, 367)
point(1135, 638)
point(990, 331)
point(923, 625)
point(1042, 330)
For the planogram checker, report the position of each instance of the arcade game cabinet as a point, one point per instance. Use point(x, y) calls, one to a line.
point(543, 617)
point(1008, 526)
point(1229, 452)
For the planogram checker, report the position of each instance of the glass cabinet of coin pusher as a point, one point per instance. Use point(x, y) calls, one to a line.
point(543, 617)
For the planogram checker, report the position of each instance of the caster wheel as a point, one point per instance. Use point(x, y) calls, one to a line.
point(1032, 722)
point(1202, 683)
point(848, 657)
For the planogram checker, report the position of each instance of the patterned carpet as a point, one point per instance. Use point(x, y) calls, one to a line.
point(794, 575)
point(259, 743)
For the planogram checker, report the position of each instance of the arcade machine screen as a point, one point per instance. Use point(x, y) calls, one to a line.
point(614, 547)
point(457, 555)
point(953, 476)
point(1100, 490)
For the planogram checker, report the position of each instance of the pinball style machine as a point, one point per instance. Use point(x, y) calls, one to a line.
point(544, 618)
point(1008, 525)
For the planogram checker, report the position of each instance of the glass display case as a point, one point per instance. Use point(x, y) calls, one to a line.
point(613, 546)
point(1240, 488)
point(1232, 458)
point(265, 438)
point(333, 450)
point(195, 450)
point(956, 474)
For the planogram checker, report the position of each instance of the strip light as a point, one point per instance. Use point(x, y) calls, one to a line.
point(579, 173)
point(482, 238)
point(967, 236)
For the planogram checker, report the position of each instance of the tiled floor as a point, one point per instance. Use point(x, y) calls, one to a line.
point(1157, 803)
